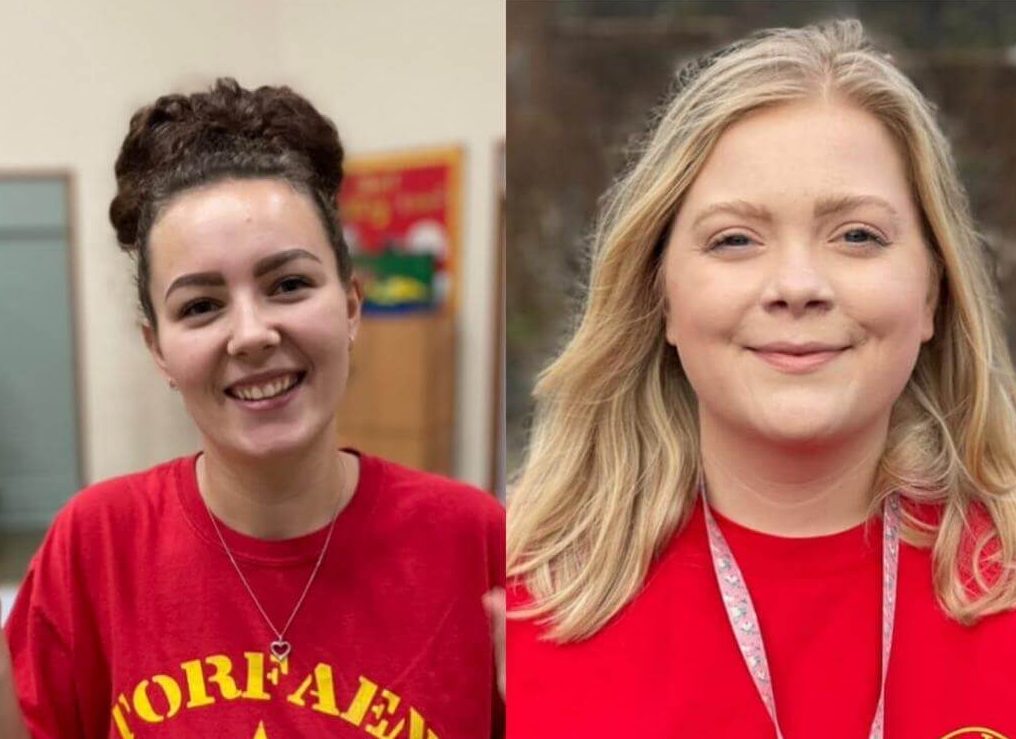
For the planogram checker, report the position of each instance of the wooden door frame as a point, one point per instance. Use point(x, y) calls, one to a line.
point(497, 436)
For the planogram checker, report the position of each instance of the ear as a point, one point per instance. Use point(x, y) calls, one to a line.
point(151, 336)
point(661, 288)
point(668, 332)
point(354, 306)
point(931, 306)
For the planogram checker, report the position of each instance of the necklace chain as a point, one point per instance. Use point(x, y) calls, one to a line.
point(280, 648)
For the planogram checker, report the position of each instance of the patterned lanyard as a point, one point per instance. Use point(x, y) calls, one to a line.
point(744, 622)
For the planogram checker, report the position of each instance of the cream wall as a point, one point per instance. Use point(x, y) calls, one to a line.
point(392, 74)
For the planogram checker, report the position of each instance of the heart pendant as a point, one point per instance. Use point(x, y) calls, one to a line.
point(280, 649)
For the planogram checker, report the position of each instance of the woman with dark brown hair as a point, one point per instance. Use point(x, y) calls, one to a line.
point(271, 585)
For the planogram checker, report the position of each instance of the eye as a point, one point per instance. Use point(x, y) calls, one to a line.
point(197, 308)
point(290, 284)
point(733, 240)
point(864, 237)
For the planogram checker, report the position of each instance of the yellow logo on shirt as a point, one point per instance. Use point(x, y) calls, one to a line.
point(205, 682)
point(974, 732)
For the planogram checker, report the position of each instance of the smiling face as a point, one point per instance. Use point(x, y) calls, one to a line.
point(254, 325)
point(799, 288)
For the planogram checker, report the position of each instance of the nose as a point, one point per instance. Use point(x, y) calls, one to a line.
point(251, 334)
point(798, 283)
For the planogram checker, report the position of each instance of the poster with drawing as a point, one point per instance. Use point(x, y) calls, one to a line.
point(401, 219)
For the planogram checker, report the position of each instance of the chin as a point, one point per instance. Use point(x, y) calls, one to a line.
point(797, 418)
point(271, 443)
point(801, 430)
point(803, 438)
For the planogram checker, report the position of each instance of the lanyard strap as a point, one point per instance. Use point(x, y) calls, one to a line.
point(744, 621)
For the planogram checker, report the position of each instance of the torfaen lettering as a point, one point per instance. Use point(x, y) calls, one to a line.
point(211, 680)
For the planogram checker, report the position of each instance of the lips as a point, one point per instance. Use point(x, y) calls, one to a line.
point(807, 347)
point(798, 358)
point(265, 386)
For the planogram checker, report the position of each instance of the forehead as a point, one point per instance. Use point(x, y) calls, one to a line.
point(232, 224)
point(792, 154)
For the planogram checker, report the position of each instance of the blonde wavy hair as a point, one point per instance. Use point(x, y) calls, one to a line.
point(613, 457)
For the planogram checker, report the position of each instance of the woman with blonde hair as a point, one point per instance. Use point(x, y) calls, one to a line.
point(770, 484)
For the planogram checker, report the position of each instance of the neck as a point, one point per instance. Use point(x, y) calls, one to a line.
point(281, 497)
point(790, 489)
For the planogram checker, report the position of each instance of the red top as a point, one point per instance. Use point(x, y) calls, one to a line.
point(668, 665)
point(133, 623)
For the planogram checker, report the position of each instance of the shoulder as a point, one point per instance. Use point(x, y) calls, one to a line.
point(125, 492)
point(100, 527)
point(976, 556)
point(529, 634)
point(116, 504)
point(517, 595)
point(425, 494)
point(440, 519)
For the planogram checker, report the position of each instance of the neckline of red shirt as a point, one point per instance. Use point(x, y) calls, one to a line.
point(280, 552)
point(769, 555)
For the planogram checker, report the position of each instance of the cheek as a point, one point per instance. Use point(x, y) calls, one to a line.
point(892, 322)
point(191, 357)
point(893, 308)
point(704, 316)
point(702, 309)
point(325, 347)
point(321, 328)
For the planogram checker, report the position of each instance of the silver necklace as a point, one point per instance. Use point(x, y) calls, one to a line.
point(281, 647)
point(745, 625)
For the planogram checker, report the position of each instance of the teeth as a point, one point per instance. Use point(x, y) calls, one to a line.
point(268, 390)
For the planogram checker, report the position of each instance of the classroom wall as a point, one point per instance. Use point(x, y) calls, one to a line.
point(392, 74)
point(365, 61)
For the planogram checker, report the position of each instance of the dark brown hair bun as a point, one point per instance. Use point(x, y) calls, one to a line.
point(185, 141)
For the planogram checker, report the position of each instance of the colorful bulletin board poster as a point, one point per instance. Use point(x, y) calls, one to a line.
point(400, 215)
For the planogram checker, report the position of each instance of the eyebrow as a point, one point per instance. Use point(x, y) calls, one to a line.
point(738, 208)
point(827, 206)
point(261, 268)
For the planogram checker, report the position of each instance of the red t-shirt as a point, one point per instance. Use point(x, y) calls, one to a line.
point(668, 665)
point(133, 623)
